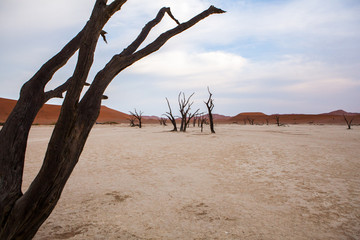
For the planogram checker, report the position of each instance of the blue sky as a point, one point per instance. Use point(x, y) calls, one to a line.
point(294, 56)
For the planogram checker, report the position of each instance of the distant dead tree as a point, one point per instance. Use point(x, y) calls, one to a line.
point(132, 121)
point(184, 108)
point(267, 121)
point(250, 120)
point(196, 118)
point(277, 118)
point(23, 212)
point(202, 120)
point(210, 107)
point(171, 117)
point(162, 121)
point(136, 116)
point(348, 121)
point(189, 117)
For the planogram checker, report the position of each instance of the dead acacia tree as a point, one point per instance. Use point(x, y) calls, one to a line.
point(277, 118)
point(132, 121)
point(202, 120)
point(348, 121)
point(184, 108)
point(250, 120)
point(163, 121)
point(171, 117)
point(22, 213)
point(136, 116)
point(190, 116)
point(210, 107)
point(196, 118)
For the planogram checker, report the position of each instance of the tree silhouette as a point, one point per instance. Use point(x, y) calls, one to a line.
point(21, 214)
point(184, 108)
point(210, 107)
point(136, 116)
point(171, 117)
point(348, 121)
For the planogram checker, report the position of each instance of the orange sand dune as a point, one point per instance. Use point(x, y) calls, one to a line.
point(49, 114)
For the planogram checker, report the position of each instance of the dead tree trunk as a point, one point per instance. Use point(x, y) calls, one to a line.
point(210, 107)
point(203, 120)
point(348, 121)
point(277, 118)
point(170, 116)
point(184, 108)
point(21, 214)
point(136, 116)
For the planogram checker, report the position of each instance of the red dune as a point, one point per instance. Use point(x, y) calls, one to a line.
point(335, 117)
point(49, 114)
point(252, 114)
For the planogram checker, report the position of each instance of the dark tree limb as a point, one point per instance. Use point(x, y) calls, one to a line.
point(146, 30)
point(210, 107)
point(171, 117)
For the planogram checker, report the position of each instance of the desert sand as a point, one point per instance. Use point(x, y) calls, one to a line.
point(244, 182)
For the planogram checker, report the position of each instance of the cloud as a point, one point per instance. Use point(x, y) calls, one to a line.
point(22, 17)
point(260, 54)
point(192, 69)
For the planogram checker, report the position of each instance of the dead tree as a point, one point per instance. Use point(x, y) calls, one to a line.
point(277, 118)
point(132, 120)
point(191, 116)
point(137, 116)
point(196, 119)
point(210, 107)
point(171, 117)
point(251, 120)
point(202, 120)
point(184, 108)
point(22, 213)
point(162, 121)
point(348, 121)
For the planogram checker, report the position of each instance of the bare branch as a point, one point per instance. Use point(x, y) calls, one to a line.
point(115, 6)
point(146, 30)
point(163, 38)
point(127, 57)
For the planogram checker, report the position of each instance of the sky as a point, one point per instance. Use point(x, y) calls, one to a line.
point(270, 56)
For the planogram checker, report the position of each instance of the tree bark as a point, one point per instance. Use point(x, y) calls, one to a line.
point(21, 215)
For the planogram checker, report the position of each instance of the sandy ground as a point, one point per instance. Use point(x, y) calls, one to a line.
point(244, 182)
